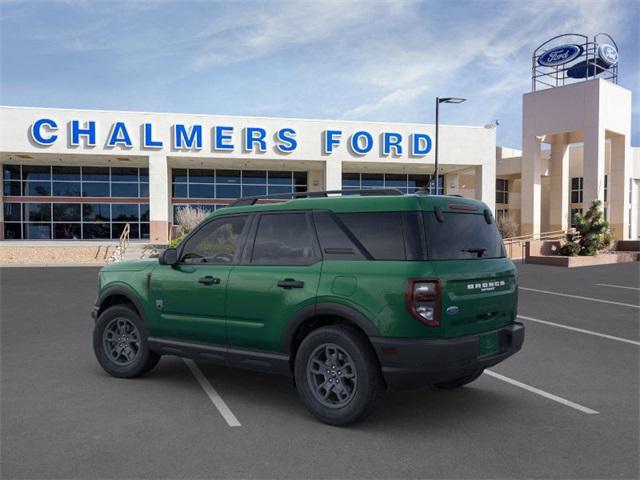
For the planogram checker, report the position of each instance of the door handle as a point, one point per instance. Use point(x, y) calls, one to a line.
point(209, 280)
point(289, 283)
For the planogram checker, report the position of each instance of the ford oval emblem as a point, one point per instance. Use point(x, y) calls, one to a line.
point(560, 55)
point(608, 54)
point(452, 310)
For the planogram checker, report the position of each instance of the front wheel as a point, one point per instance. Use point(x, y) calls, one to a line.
point(120, 343)
point(337, 375)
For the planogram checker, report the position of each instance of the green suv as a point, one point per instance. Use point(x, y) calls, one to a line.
point(349, 294)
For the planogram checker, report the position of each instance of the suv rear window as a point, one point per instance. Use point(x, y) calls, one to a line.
point(462, 236)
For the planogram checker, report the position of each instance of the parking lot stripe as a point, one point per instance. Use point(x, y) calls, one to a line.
point(581, 330)
point(542, 393)
point(213, 395)
point(580, 298)
point(616, 286)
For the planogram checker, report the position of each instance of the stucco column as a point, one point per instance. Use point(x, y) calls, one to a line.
point(332, 174)
point(618, 188)
point(1, 211)
point(559, 195)
point(531, 186)
point(159, 198)
point(593, 167)
point(449, 180)
point(314, 179)
point(485, 185)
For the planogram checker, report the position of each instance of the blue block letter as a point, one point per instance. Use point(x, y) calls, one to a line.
point(421, 144)
point(119, 136)
point(355, 142)
point(184, 139)
point(391, 140)
point(89, 131)
point(253, 136)
point(330, 140)
point(36, 131)
point(147, 138)
point(286, 140)
point(221, 137)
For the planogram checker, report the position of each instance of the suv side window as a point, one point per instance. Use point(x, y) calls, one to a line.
point(283, 239)
point(334, 241)
point(381, 233)
point(216, 242)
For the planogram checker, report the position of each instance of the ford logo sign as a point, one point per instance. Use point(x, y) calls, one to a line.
point(560, 55)
point(452, 310)
point(608, 54)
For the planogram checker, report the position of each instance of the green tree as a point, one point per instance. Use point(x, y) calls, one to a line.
point(592, 233)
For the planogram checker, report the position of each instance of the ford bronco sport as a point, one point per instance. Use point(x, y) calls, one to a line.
point(349, 294)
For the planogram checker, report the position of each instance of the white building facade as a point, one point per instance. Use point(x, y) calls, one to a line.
point(85, 174)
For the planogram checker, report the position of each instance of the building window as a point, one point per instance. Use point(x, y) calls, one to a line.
point(209, 188)
point(573, 212)
point(63, 213)
point(576, 190)
point(502, 190)
point(502, 213)
point(606, 187)
point(403, 182)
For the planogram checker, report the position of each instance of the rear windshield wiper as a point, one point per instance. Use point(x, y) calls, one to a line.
point(478, 250)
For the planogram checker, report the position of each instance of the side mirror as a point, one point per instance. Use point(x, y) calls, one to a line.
point(169, 257)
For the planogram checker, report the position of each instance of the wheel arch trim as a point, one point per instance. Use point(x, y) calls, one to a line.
point(330, 309)
point(121, 291)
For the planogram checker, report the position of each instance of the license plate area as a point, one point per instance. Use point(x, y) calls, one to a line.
point(489, 344)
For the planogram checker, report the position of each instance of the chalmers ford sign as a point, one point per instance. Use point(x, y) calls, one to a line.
point(222, 138)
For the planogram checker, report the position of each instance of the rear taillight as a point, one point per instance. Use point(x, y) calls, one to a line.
point(423, 301)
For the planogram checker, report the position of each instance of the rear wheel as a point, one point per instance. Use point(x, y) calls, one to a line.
point(460, 381)
point(337, 375)
point(120, 343)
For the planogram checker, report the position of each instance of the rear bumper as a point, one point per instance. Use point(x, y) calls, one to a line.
point(410, 363)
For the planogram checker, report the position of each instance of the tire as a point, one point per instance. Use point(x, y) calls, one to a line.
point(342, 355)
point(128, 359)
point(459, 382)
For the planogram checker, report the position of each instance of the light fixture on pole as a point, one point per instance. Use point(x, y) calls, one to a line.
point(438, 102)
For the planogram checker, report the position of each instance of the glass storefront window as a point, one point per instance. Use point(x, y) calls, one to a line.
point(96, 212)
point(124, 190)
point(36, 172)
point(406, 183)
point(66, 212)
point(66, 173)
point(95, 189)
point(95, 174)
point(47, 220)
point(66, 189)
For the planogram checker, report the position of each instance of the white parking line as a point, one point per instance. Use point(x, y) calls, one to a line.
point(581, 330)
point(213, 395)
point(580, 298)
point(542, 393)
point(616, 286)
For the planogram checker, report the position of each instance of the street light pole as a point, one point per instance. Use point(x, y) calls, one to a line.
point(437, 143)
point(438, 102)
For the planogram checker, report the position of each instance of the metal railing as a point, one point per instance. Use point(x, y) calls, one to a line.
point(515, 246)
point(123, 244)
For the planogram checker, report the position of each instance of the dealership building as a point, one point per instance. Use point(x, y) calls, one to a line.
point(85, 174)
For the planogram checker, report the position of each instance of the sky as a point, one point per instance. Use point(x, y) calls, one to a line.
point(345, 60)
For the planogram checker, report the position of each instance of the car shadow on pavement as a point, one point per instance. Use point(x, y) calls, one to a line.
point(275, 396)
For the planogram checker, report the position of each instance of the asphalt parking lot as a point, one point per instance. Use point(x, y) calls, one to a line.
point(566, 406)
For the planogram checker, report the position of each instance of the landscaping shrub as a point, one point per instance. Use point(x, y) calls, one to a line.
point(189, 217)
point(592, 233)
point(507, 227)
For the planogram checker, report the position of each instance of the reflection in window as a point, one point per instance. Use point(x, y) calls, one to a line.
point(215, 243)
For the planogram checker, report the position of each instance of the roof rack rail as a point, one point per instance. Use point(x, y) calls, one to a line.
point(246, 201)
